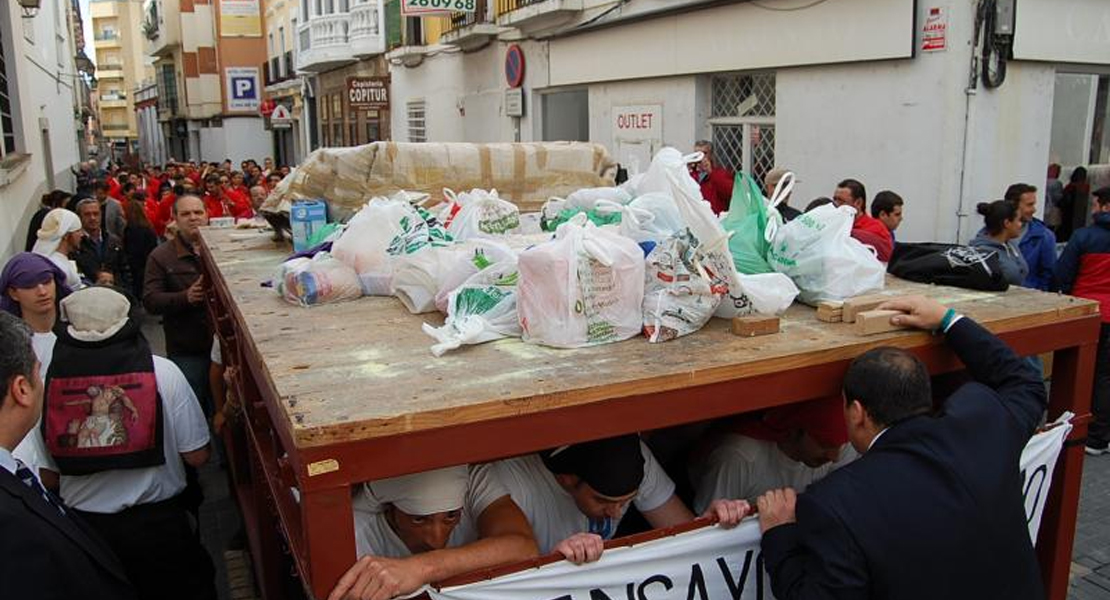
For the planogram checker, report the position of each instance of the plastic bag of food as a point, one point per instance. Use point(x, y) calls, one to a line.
point(583, 288)
point(818, 252)
point(679, 294)
point(482, 309)
point(479, 213)
point(321, 279)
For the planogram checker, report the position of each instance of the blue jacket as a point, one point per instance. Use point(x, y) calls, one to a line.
point(1038, 246)
point(939, 490)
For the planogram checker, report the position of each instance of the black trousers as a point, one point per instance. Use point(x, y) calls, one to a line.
point(160, 552)
point(1100, 398)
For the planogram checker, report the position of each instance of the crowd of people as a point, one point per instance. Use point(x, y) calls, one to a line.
point(100, 496)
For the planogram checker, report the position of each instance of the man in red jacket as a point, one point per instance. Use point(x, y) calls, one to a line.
point(715, 180)
point(867, 229)
point(219, 203)
point(1084, 271)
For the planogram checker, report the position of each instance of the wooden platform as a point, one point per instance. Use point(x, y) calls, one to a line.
point(363, 369)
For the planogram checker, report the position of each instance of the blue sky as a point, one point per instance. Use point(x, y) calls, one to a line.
point(87, 21)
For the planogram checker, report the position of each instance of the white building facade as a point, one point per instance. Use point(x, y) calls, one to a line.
point(890, 92)
point(38, 122)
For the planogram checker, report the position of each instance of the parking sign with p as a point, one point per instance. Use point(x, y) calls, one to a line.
point(242, 89)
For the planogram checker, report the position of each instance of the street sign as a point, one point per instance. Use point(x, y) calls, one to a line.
point(242, 88)
point(514, 102)
point(369, 93)
point(514, 66)
point(281, 118)
point(423, 8)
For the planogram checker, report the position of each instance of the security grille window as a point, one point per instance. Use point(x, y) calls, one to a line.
point(742, 118)
point(417, 131)
point(7, 118)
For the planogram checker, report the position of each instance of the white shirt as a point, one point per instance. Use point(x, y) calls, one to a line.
point(374, 536)
point(184, 429)
point(7, 460)
point(31, 450)
point(69, 267)
point(551, 509)
point(740, 467)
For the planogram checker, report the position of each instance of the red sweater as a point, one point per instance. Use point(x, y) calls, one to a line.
point(716, 188)
point(872, 232)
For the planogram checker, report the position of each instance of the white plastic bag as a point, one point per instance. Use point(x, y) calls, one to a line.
point(818, 252)
point(482, 309)
point(768, 293)
point(467, 259)
point(668, 174)
point(666, 219)
point(383, 229)
point(321, 279)
point(587, 199)
point(583, 288)
point(419, 277)
point(479, 213)
point(679, 295)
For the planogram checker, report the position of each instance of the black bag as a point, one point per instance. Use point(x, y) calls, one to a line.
point(948, 264)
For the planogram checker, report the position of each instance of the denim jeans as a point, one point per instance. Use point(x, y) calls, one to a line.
point(1099, 432)
point(195, 368)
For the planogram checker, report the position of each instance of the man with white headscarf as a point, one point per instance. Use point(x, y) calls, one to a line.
point(418, 529)
point(58, 237)
point(119, 424)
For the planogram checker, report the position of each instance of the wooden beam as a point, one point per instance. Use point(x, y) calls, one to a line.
point(854, 306)
point(876, 321)
point(754, 325)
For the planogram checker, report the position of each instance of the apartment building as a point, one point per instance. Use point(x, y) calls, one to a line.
point(206, 59)
point(39, 124)
point(121, 63)
point(924, 98)
point(282, 90)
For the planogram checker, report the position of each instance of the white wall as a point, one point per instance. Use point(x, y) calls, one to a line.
point(38, 94)
point(246, 138)
point(681, 117)
point(899, 125)
point(475, 83)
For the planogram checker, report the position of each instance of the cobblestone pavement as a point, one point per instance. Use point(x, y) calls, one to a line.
point(1090, 567)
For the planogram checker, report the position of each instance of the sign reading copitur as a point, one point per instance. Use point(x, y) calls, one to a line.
point(424, 7)
point(371, 93)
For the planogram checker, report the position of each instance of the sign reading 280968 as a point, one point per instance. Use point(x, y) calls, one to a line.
point(425, 7)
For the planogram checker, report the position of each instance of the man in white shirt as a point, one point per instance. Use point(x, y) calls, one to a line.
point(576, 496)
point(786, 446)
point(48, 553)
point(131, 495)
point(418, 529)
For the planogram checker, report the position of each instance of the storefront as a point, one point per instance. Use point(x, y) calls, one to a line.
point(353, 104)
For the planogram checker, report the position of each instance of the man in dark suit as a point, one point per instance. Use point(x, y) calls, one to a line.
point(933, 508)
point(46, 552)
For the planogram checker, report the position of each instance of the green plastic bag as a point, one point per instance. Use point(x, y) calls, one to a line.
point(595, 216)
point(747, 222)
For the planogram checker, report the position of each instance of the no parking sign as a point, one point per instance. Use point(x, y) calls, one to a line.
point(242, 88)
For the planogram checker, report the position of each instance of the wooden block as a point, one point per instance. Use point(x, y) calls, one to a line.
point(830, 312)
point(876, 321)
point(854, 306)
point(754, 325)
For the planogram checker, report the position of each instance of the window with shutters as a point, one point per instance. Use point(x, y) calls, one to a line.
point(742, 120)
point(7, 103)
point(416, 112)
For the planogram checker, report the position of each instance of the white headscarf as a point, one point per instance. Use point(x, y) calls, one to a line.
point(57, 224)
point(95, 313)
point(421, 494)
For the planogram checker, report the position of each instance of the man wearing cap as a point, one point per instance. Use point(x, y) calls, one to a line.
point(576, 496)
point(48, 552)
point(418, 529)
point(30, 288)
point(119, 424)
point(933, 508)
point(770, 181)
point(786, 446)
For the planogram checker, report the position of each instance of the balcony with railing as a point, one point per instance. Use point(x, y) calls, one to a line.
point(109, 71)
point(469, 30)
point(161, 26)
point(278, 69)
point(531, 16)
point(113, 99)
point(106, 39)
point(324, 40)
point(367, 33)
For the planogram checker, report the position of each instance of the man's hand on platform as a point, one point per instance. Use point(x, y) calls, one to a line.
point(728, 513)
point(195, 293)
point(921, 312)
point(776, 507)
point(379, 578)
point(581, 548)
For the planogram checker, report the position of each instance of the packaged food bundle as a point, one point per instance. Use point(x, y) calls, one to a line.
point(583, 288)
point(482, 309)
point(680, 295)
point(479, 213)
point(321, 279)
